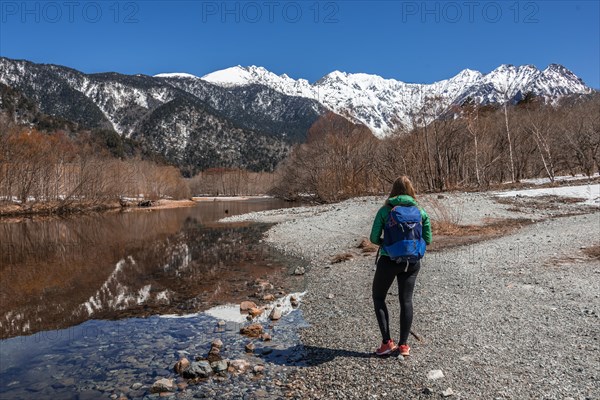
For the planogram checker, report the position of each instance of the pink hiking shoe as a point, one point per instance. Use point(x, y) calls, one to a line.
point(386, 348)
point(404, 350)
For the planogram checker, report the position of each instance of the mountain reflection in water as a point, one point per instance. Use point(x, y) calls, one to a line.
point(58, 273)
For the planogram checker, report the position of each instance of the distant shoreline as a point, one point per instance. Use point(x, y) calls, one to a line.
point(12, 212)
point(229, 198)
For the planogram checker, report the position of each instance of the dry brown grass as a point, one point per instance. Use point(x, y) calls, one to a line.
point(367, 247)
point(441, 213)
point(448, 235)
point(449, 232)
point(546, 202)
point(593, 251)
point(338, 258)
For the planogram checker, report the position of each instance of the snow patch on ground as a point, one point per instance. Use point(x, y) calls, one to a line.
point(589, 193)
point(563, 178)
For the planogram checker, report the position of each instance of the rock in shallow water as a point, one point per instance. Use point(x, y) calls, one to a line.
point(214, 354)
point(163, 385)
point(258, 369)
point(254, 330)
point(275, 314)
point(179, 367)
point(239, 366)
point(198, 369)
point(219, 366)
point(250, 347)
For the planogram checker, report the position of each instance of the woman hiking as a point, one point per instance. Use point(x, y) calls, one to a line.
point(406, 233)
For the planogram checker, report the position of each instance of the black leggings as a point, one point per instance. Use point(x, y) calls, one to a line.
point(386, 271)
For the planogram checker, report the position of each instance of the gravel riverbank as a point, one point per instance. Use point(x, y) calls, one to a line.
point(514, 317)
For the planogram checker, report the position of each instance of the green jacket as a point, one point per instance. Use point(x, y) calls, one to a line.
point(381, 218)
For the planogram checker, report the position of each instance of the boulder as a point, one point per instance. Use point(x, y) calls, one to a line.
point(255, 312)
point(214, 355)
point(258, 369)
point(239, 366)
point(218, 343)
point(299, 271)
point(250, 347)
point(219, 366)
point(268, 297)
point(275, 314)
point(181, 365)
point(163, 385)
point(247, 305)
point(265, 337)
point(254, 330)
point(198, 369)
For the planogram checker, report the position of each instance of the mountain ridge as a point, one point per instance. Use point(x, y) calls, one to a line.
point(241, 107)
point(386, 105)
point(250, 127)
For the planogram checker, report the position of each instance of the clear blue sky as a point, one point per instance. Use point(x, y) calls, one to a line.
point(413, 41)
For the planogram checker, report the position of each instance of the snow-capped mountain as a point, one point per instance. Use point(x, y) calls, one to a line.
point(192, 123)
point(387, 104)
point(248, 116)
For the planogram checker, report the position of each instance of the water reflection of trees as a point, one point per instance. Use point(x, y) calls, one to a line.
point(58, 273)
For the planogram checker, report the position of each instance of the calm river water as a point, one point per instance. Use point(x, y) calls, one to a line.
point(81, 298)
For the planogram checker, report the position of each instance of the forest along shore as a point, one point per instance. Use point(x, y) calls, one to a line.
point(506, 304)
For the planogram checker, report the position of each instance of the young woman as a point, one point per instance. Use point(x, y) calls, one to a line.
point(402, 194)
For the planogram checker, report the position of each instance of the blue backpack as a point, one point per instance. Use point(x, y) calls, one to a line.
point(402, 234)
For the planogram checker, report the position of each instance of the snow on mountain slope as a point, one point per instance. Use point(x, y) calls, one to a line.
point(240, 76)
point(259, 100)
point(117, 100)
point(386, 105)
point(176, 75)
point(190, 122)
